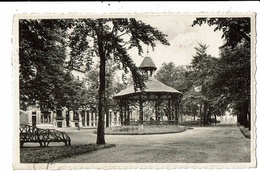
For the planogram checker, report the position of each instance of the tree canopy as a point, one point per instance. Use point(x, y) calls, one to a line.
point(235, 29)
point(232, 80)
point(173, 76)
point(42, 52)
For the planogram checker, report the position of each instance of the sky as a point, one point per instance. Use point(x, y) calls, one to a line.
point(182, 38)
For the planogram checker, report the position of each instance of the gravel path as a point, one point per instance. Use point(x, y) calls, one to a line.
point(212, 144)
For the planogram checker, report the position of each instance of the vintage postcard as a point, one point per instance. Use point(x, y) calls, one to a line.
point(134, 91)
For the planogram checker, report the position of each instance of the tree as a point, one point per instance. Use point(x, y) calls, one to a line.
point(112, 87)
point(173, 76)
point(201, 74)
point(41, 57)
point(235, 30)
point(44, 80)
point(111, 38)
point(232, 79)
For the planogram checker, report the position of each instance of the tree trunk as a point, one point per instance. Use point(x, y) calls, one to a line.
point(205, 117)
point(209, 115)
point(200, 115)
point(249, 116)
point(239, 118)
point(101, 91)
point(244, 115)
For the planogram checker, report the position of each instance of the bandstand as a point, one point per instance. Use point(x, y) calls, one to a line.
point(155, 92)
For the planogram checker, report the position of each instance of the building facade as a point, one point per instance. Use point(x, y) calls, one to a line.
point(63, 117)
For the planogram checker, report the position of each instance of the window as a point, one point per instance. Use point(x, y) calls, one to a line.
point(76, 116)
point(59, 115)
point(46, 118)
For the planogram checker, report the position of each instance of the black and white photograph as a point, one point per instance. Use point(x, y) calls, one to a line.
point(150, 90)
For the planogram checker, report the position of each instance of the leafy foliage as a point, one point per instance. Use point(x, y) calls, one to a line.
point(231, 83)
point(173, 76)
point(235, 30)
point(233, 79)
point(112, 86)
point(42, 54)
point(202, 70)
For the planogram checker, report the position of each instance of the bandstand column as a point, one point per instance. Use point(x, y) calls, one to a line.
point(128, 114)
point(121, 112)
point(176, 114)
point(170, 110)
point(125, 111)
point(156, 109)
point(175, 111)
point(141, 115)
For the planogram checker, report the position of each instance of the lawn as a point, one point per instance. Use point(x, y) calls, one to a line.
point(49, 154)
point(207, 144)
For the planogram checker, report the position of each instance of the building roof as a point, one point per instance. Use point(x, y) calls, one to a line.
point(148, 63)
point(154, 90)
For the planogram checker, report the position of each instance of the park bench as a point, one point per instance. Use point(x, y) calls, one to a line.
point(42, 136)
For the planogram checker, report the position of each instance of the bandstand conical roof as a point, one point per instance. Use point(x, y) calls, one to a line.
point(147, 63)
point(154, 89)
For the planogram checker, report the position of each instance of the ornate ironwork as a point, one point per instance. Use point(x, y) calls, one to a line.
point(42, 136)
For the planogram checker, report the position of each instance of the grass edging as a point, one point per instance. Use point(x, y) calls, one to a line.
point(49, 154)
point(125, 133)
point(245, 133)
point(144, 132)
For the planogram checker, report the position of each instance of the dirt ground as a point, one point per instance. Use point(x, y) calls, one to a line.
point(223, 143)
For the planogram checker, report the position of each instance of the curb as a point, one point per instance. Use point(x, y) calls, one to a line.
point(152, 133)
point(246, 136)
